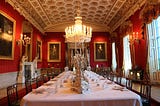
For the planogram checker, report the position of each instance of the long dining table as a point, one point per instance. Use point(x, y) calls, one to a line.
point(101, 92)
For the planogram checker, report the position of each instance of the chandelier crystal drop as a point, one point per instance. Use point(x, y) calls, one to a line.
point(78, 32)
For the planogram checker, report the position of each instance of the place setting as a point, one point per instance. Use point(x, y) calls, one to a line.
point(121, 88)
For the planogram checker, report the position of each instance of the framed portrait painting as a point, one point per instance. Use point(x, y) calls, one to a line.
point(54, 51)
point(39, 50)
point(7, 29)
point(100, 53)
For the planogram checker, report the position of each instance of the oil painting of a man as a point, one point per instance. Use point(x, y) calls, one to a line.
point(100, 51)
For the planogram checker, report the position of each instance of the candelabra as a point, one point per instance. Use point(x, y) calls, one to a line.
point(24, 40)
point(134, 37)
point(80, 83)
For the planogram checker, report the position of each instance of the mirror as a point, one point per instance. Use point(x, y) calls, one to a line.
point(27, 40)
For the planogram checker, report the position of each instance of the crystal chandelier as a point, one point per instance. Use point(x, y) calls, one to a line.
point(78, 32)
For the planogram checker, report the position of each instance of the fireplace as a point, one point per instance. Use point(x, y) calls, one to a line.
point(27, 72)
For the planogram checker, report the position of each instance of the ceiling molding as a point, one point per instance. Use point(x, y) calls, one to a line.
point(55, 15)
point(128, 14)
point(116, 7)
point(61, 26)
point(22, 11)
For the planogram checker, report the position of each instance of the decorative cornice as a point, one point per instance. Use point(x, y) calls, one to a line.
point(52, 15)
point(118, 4)
point(24, 13)
point(137, 6)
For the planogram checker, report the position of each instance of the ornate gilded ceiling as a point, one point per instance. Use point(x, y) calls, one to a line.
point(55, 15)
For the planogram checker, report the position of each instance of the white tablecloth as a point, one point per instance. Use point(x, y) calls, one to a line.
point(101, 93)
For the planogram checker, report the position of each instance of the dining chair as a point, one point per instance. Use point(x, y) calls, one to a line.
point(145, 93)
point(28, 86)
point(45, 78)
point(12, 95)
point(118, 79)
point(129, 83)
point(57, 71)
point(50, 73)
point(111, 76)
point(44, 71)
point(39, 81)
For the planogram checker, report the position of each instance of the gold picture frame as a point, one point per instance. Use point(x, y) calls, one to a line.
point(100, 51)
point(7, 34)
point(54, 51)
point(39, 50)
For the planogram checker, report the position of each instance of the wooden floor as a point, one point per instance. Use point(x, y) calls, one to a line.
point(155, 93)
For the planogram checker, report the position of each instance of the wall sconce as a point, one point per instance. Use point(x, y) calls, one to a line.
point(134, 37)
point(24, 40)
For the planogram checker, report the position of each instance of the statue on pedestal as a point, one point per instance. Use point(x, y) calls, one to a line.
point(35, 62)
point(35, 65)
point(23, 59)
point(20, 73)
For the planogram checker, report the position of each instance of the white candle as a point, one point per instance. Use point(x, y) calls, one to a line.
point(21, 36)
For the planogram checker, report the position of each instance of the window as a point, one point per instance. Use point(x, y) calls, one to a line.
point(114, 63)
point(126, 55)
point(154, 45)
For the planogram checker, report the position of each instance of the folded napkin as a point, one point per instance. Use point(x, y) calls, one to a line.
point(38, 90)
point(109, 82)
point(101, 78)
point(118, 88)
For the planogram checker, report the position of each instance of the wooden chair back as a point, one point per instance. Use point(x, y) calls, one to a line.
point(39, 81)
point(145, 93)
point(129, 83)
point(28, 86)
point(12, 95)
point(118, 79)
point(50, 73)
point(45, 78)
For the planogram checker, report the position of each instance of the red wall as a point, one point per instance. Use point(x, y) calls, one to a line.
point(140, 47)
point(58, 37)
point(100, 37)
point(12, 65)
point(36, 36)
point(53, 37)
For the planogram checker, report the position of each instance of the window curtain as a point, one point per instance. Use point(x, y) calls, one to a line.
point(117, 54)
point(132, 52)
point(126, 56)
point(125, 29)
point(151, 48)
point(114, 62)
point(154, 45)
point(150, 11)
